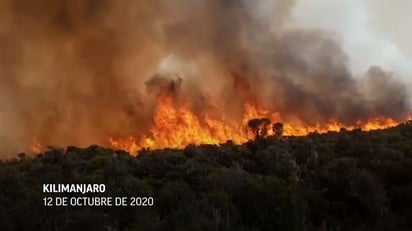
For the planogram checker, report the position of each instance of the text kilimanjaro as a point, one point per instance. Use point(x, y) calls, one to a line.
point(74, 188)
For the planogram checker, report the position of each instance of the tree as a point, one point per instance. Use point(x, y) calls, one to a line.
point(265, 126)
point(259, 127)
point(277, 128)
point(253, 125)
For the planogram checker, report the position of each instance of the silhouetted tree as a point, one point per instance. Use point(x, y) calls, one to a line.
point(254, 125)
point(277, 128)
point(259, 127)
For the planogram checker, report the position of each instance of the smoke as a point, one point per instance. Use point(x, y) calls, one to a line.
point(390, 20)
point(75, 72)
point(372, 32)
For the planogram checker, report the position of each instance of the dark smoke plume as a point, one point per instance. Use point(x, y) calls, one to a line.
point(73, 72)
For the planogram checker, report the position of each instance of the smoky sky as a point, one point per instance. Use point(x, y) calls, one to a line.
point(76, 72)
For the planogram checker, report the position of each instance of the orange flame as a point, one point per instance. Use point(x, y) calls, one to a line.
point(177, 127)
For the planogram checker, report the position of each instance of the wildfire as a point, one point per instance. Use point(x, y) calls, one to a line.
point(177, 126)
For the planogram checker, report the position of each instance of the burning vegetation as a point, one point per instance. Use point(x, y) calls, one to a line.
point(157, 74)
point(177, 126)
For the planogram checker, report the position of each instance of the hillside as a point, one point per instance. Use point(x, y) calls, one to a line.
point(351, 180)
